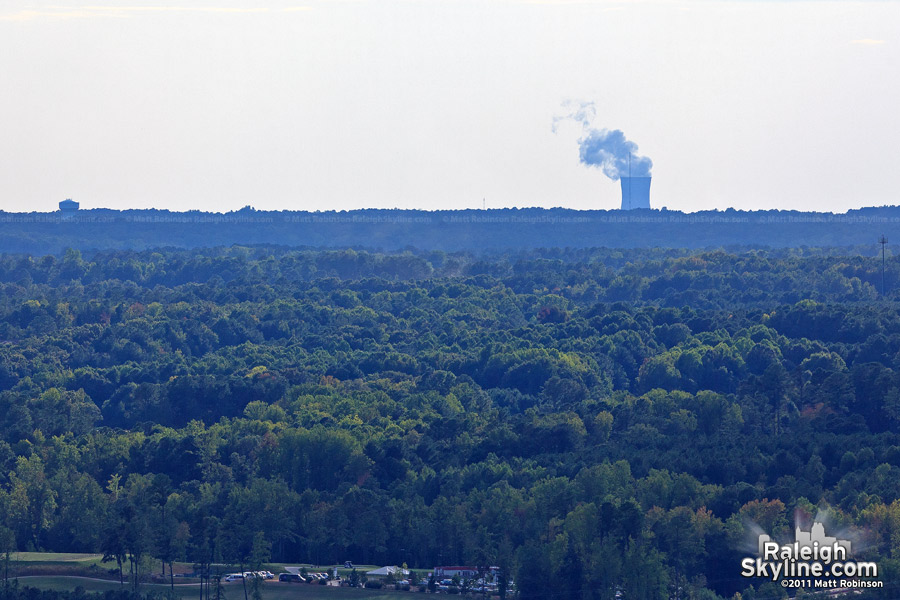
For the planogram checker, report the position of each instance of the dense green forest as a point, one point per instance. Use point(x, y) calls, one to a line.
point(598, 423)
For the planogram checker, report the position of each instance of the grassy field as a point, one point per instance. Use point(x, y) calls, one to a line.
point(55, 557)
point(60, 583)
point(271, 590)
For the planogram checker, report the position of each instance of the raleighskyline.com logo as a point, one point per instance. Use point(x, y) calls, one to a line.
point(813, 560)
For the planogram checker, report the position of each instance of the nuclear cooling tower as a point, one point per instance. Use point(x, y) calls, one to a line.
point(635, 192)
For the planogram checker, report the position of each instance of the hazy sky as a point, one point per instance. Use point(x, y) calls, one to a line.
point(338, 104)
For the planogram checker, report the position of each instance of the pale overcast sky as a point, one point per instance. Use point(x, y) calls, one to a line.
point(339, 104)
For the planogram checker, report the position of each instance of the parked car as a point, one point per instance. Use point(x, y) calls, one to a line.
point(290, 577)
point(233, 577)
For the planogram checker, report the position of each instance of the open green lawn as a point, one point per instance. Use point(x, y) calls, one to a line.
point(44, 557)
point(271, 590)
point(60, 582)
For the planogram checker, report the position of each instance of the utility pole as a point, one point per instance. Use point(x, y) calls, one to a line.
point(883, 241)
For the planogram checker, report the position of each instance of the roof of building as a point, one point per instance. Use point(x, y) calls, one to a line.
point(388, 571)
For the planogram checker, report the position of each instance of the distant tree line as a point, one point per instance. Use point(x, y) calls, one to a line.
point(447, 230)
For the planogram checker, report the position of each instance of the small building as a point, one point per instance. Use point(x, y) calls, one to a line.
point(68, 206)
point(466, 572)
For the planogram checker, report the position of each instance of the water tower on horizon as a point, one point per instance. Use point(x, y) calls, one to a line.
point(68, 207)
